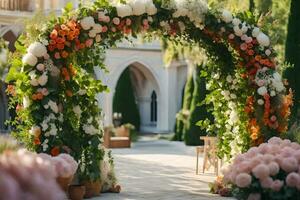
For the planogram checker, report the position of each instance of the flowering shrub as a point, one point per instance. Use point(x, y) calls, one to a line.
point(55, 91)
point(269, 171)
point(26, 176)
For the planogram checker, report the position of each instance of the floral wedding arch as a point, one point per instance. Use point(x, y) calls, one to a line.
point(55, 91)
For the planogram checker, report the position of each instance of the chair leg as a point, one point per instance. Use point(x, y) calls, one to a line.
point(197, 163)
point(204, 161)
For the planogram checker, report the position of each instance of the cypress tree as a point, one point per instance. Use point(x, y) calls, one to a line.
point(180, 127)
point(292, 54)
point(197, 112)
point(124, 100)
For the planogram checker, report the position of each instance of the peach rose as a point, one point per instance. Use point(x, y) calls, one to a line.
point(289, 164)
point(243, 180)
point(261, 171)
point(277, 185)
point(293, 179)
point(274, 168)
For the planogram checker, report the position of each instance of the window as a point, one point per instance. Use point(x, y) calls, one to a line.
point(153, 107)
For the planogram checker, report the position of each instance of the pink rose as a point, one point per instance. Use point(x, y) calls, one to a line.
point(261, 171)
point(128, 22)
point(287, 152)
point(274, 168)
point(243, 180)
point(244, 167)
point(268, 158)
point(231, 36)
point(261, 83)
point(243, 47)
point(116, 20)
point(89, 42)
point(296, 155)
point(273, 118)
point(289, 164)
point(106, 19)
point(57, 55)
point(266, 182)
point(249, 40)
point(275, 141)
point(264, 148)
point(277, 185)
point(113, 29)
point(254, 196)
point(295, 146)
point(292, 179)
point(104, 29)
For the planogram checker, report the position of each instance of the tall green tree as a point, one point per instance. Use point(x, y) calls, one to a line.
point(292, 54)
point(181, 121)
point(124, 100)
point(197, 112)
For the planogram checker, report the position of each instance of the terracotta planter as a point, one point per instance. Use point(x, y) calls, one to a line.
point(92, 189)
point(64, 182)
point(76, 192)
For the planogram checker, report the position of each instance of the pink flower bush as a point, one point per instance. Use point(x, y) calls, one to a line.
point(274, 166)
point(26, 176)
point(64, 164)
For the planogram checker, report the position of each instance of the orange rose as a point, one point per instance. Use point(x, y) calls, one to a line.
point(55, 151)
point(69, 93)
point(36, 141)
point(64, 54)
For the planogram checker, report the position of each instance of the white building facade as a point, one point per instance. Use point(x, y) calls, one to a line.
point(157, 87)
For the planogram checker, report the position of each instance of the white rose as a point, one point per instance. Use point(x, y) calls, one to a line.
point(40, 67)
point(138, 7)
point(29, 59)
point(260, 102)
point(53, 130)
point(44, 126)
point(82, 92)
point(97, 28)
point(37, 49)
point(123, 10)
point(53, 106)
point(34, 82)
point(229, 79)
point(262, 91)
point(277, 76)
point(227, 16)
point(255, 32)
point(87, 23)
point(237, 31)
point(92, 34)
point(263, 39)
point(26, 102)
point(268, 52)
point(151, 9)
point(43, 79)
point(236, 21)
point(273, 93)
point(244, 28)
point(77, 110)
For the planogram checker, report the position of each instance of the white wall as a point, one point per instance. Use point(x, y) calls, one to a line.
point(168, 83)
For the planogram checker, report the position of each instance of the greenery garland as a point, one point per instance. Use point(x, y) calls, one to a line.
point(55, 92)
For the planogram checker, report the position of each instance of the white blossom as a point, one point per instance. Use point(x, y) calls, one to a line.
point(77, 110)
point(26, 102)
point(262, 90)
point(29, 59)
point(236, 21)
point(43, 79)
point(123, 10)
point(260, 102)
point(263, 39)
point(87, 23)
point(37, 49)
point(255, 32)
point(138, 7)
point(227, 16)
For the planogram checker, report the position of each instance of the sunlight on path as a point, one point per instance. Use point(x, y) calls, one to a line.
point(159, 170)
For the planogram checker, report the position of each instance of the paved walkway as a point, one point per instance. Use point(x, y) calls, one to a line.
point(159, 170)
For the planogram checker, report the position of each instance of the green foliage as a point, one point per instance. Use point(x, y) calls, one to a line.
point(292, 55)
point(183, 115)
point(124, 100)
point(197, 112)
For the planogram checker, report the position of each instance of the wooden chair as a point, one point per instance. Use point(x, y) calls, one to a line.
point(210, 154)
point(120, 138)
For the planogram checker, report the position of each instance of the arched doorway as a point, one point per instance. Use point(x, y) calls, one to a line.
point(146, 95)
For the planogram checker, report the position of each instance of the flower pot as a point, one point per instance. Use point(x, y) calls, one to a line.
point(76, 192)
point(64, 182)
point(92, 188)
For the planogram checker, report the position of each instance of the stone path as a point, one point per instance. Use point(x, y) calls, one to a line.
point(159, 170)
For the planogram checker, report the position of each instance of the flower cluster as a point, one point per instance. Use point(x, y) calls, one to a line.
point(136, 7)
point(271, 167)
point(64, 164)
point(24, 175)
